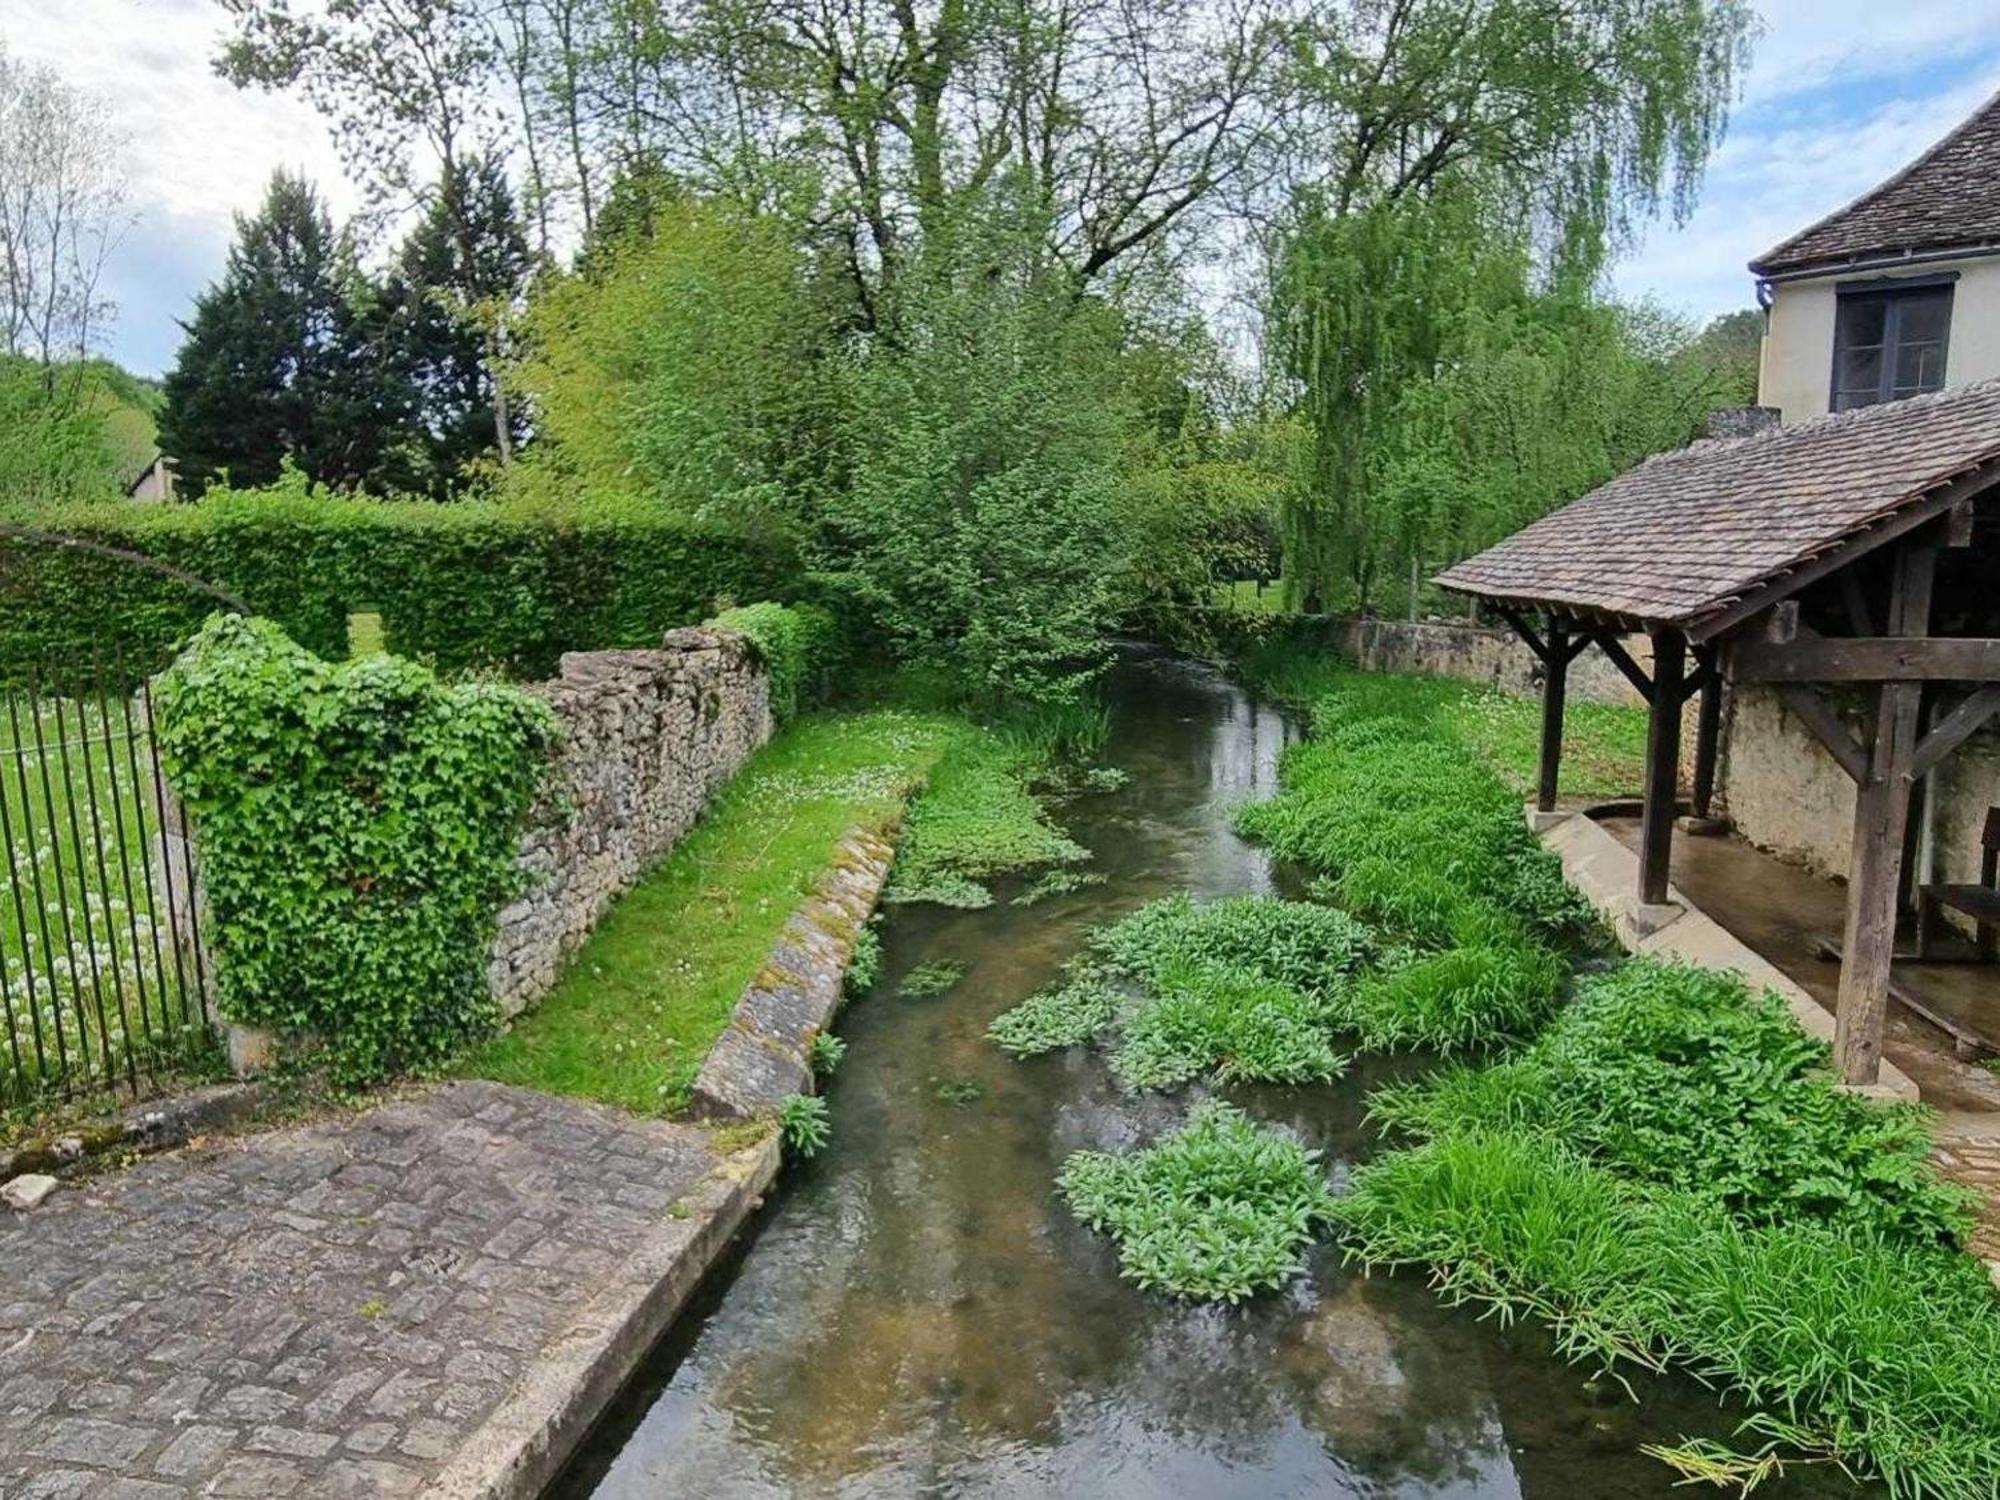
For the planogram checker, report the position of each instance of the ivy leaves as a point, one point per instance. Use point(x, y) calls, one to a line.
point(358, 826)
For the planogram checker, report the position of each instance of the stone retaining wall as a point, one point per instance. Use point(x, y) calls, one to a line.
point(765, 1053)
point(649, 737)
point(1492, 657)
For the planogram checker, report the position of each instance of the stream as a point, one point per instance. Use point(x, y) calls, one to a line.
point(917, 1315)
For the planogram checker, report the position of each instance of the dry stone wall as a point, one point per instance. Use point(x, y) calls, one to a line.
point(649, 737)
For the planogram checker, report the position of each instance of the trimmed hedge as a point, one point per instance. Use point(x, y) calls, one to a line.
point(503, 586)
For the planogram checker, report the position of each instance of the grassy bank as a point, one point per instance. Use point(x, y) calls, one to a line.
point(637, 1010)
point(1663, 1167)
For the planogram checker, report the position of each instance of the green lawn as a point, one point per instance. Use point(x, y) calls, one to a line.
point(638, 1009)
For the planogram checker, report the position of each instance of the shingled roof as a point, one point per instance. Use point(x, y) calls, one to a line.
point(1947, 199)
point(1683, 536)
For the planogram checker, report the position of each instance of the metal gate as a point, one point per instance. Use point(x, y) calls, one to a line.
point(103, 983)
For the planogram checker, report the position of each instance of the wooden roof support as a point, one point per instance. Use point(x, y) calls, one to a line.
point(1708, 733)
point(1879, 658)
point(1881, 814)
point(1663, 757)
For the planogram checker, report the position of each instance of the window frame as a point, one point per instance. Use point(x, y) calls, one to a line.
point(1894, 291)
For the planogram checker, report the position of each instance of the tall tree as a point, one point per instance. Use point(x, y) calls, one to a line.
point(273, 366)
point(445, 313)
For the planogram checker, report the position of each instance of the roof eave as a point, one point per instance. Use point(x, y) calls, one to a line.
point(1779, 271)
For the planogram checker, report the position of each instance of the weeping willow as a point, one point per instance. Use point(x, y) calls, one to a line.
point(1483, 162)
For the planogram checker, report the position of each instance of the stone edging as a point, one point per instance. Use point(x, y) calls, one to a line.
point(763, 1055)
point(523, 1444)
point(152, 1126)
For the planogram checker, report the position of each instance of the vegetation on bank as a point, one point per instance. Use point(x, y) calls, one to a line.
point(634, 1015)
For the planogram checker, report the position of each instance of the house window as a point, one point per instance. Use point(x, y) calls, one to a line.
point(1889, 344)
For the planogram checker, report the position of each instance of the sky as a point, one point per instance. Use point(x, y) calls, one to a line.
point(1840, 94)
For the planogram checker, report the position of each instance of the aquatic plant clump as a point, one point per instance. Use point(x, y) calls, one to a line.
point(930, 979)
point(865, 967)
point(825, 1054)
point(976, 818)
point(1684, 1078)
point(804, 1125)
point(1313, 949)
point(1883, 1355)
point(1460, 998)
point(1219, 1210)
point(1244, 1027)
point(1063, 1015)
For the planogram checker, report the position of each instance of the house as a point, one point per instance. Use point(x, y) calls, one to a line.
point(1826, 590)
point(155, 482)
point(1894, 295)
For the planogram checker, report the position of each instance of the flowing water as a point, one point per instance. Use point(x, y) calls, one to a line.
point(916, 1315)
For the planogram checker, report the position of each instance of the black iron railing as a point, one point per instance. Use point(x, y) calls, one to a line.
point(103, 981)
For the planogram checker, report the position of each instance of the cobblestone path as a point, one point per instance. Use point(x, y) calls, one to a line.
point(325, 1310)
point(1976, 1163)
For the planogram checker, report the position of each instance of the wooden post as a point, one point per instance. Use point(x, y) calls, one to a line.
point(1707, 739)
point(1663, 766)
point(1555, 686)
point(1881, 812)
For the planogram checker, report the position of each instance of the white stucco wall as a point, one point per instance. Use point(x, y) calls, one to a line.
point(1796, 371)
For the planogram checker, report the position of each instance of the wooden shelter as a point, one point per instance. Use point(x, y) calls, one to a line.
point(1852, 561)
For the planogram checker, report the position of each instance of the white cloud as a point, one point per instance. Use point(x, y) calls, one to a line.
point(1786, 165)
point(197, 149)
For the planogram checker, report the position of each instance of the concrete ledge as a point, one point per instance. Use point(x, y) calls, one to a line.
point(1607, 873)
point(765, 1053)
point(156, 1125)
point(522, 1445)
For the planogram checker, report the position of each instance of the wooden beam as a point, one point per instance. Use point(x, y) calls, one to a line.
point(1698, 681)
point(1524, 630)
point(1958, 525)
point(1954, 729)
point(1881, 815)
point(1875, 658)
point(1707, 740)
point(1782, 623)
point(1860, 619)
point(1663, 764)
point(1555, 684)
point(1622, 660)
point(1828, 728)
point(1901, 523)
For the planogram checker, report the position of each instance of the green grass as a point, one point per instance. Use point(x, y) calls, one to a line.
point(1604, 744)
point(635, 1014)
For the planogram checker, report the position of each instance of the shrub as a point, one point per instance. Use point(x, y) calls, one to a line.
point(475, 584)
point(796, 644)
point(1218, 1210)
point(359, 825)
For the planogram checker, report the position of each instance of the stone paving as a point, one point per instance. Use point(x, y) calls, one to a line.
point(1974, 1160)
point(325, 1310)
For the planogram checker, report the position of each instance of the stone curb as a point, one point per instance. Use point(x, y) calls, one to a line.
point(153, 1126)
point(521, 1446)
point(764, 1054)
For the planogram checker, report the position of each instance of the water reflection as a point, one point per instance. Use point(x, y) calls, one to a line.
point(919, 1317)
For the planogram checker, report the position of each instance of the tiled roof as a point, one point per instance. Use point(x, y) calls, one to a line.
point(1947, 199)
point(1688, 533)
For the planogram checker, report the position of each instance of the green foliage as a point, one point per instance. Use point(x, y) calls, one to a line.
point(804, 1124)
point(359, 826)
point(1056, 883)
point(680, 367)
point(979, 521)
point(825, 1054)
point(1880, 1353)
point(277, 366)
point(55, 444)
point(865, 967)
point(1219, 1210)
point(975, 819)
point(959, 1092)
point(638, 1008)
point(1682, 1077)
point(1304, 946)
point(483, 585)
point(931, 979)
point(1063, 1015)
point(1477, 995)
point(795, 642)
point(1233, 1021)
